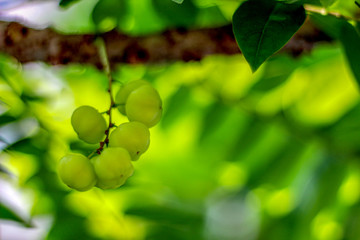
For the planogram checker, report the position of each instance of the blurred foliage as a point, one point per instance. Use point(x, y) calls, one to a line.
point(270, 155)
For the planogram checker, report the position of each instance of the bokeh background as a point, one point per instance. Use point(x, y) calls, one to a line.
point(272, 155)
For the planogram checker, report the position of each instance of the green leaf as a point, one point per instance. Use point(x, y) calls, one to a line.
point(344, 135)
point(5, 119)
point(108, 13)
point(26, 145)
point(348, 35)
point(27, 97)
point(10, 72)
point(176, 106)
point(261, 28)
point(329, 24)
point(350, 40)
point(81, 147)
point(276, 72)
point(178, 15)
point(327, 3)
point(213, 117)
point(178, 1)
point(7, 213)
point(67, 3)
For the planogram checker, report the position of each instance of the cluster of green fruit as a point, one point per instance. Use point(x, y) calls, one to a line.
point(112, 166)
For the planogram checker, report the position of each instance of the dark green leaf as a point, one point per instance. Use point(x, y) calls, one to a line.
point(108, 13)
point(7, 213)
point(179, 15)
point(25, 146)
point(67, 3)
point(27, 97)
point(81, 147)
point(261, 28)
point(5, 119)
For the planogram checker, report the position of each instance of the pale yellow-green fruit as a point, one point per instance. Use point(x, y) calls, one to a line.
point(133, 136)
point(77, 172)
point(112, 167)
point(124, 91)
point(89, 124)
point(144, 105)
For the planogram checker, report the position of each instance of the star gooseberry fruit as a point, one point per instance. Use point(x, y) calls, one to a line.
point(144, 105)
point(89, 124)
point(77, 172)
point(125, 90)
point(133, 136)
point(112, 168)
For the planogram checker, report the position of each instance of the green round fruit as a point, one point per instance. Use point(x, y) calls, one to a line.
point(76, 171)
point(125, 90)
point(133, 136)
point(112, 167)
point(89, 124)
point(144, 105)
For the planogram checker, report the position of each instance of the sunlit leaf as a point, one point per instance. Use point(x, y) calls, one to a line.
point(108, 13)
point(261, 28)
point(66, 3)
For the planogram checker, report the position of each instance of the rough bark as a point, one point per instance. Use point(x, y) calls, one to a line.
point(28, 45)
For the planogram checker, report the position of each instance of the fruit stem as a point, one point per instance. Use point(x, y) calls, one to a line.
point(105, 62)
point(92, 154)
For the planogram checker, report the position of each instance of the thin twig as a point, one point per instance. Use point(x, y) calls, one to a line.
point(321, 10)
point(106, 65)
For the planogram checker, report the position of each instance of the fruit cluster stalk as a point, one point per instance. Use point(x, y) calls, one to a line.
point(106, 65)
